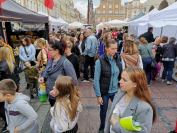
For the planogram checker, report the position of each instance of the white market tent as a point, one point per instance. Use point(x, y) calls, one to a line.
point(55, 21)
point(144, 18)
point(168, 13)
point(136, 28)
point(76, 25)
point(116, 23)
point(164, 22)
point(102, 25)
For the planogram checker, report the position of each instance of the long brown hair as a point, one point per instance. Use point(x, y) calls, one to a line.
point(66, 89)
point(143, 41)
point(138, 76)
point(130, 47)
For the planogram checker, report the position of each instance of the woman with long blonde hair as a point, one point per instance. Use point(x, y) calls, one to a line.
point(67, 107)
point(133, 100)
point(42, 56)
point(6, 71)
point(6, 58)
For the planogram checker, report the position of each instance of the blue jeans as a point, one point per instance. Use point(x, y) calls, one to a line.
point(168, 70)
point(147, 68)
point(103, 109)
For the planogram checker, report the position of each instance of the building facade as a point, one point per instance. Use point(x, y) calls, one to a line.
point(109, 10)
point(133, 8)
point(62, 8)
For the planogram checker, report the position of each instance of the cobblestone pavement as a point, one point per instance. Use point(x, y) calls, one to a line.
point(164, 97)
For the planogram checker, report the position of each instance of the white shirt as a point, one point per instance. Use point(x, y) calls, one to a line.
point(60, 121)
point(79, 46)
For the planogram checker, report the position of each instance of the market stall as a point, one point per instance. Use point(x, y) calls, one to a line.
point(11, 9)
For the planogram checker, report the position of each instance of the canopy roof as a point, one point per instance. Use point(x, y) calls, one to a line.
point(12, 9)
point(54, 21)
point(116, 23)
point(5, 18)
point(76, 25)
point(137, 16)
point(168, 13)
point(145, 17)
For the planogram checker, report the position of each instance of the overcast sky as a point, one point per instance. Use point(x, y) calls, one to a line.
point(81, 5)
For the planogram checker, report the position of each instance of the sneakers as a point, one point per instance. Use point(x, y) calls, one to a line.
point(4, 129)
point(101, 131)
point(169, 83)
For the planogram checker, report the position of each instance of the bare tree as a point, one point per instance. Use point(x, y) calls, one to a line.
point(163, 5)
point(151, 8)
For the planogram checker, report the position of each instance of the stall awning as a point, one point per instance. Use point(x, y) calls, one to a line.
point(5, 18)
point(10, 8)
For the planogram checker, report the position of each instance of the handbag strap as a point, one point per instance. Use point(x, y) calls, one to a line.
point(26, 51)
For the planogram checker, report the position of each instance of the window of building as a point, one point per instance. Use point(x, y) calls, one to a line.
point(103, 19)
point(116, 11)
point(31, 4)
point(104, 6)
point(110, 11)
point(110, 6)
point(116, 6)
point(103, 12)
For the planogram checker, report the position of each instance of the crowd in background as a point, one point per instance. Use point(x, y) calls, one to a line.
point(99, 57)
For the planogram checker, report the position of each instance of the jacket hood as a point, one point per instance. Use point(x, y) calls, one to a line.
point(20, 96)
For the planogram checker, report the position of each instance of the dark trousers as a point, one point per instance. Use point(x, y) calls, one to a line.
point(52, 102)
point(147, 68)
point(89, 61)
point(103, 109)
point(2, 112)
point(168, 70)
point(74, 130)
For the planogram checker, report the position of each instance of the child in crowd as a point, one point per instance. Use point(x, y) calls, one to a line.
point(32, 75)
point(20, 116)
point(66, 110)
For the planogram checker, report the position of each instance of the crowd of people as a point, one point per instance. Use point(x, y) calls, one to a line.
point(121, 67)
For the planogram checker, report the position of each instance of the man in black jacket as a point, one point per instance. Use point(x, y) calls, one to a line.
point(148, 35)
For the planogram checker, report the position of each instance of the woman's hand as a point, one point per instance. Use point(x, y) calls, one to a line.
point(100, 100)
point(16, 130)
point(54, 92)
point(114, 119)
point(41, 80)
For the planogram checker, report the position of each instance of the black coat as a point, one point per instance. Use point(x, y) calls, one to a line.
point(74, 60)
point(149, 36)
point(5, 72)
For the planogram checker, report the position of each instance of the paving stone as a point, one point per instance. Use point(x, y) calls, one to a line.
point(164, 98)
